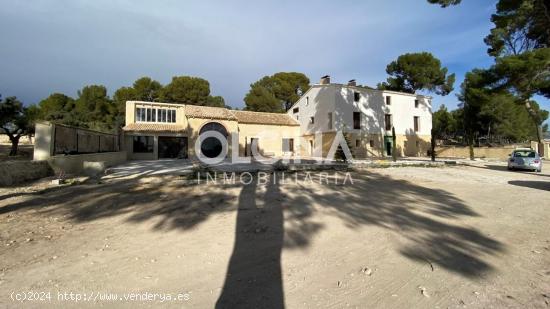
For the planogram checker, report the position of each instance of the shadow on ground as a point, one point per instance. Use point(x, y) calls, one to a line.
point(504, 168)
point(424, 216)
point(539, 185)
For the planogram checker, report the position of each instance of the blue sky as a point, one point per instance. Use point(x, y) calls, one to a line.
point(60, 46)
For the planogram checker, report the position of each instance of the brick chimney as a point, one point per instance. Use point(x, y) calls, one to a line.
point(325, 80)
point(352, 83)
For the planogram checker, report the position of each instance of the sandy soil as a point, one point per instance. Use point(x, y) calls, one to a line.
point(398, 237)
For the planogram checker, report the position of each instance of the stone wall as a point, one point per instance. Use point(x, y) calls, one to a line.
point(14, 172)
point(74, 164)
point(500, 153)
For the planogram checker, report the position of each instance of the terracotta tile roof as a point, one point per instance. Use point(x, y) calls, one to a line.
point(208, 112)
point(153, 127)
point(265, 118)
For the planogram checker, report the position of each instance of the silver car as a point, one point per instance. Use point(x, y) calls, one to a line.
point(525, 159)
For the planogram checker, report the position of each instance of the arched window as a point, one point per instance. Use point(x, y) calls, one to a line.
point(211, 147)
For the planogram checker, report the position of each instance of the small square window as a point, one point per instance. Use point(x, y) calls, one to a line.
point(296, 110)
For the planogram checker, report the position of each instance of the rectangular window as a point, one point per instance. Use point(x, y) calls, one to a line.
point(388, 100)
point(307, 101)
point(416, 103)
point(387, 121)
point(140, 114)
point(356, 120)
point(416, 123)
point(155, 115)
point(172, 115)
point(371, 143)
point(312, 120)
point(143, 144)
point(288, 145)
point(296, 110)
point(357, 143)
point(356, 96)
point(417, 144)
point(329, 121)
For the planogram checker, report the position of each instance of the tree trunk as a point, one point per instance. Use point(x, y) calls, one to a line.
point(471, 146)
point(394, 145)
point(432, 152)
point(14, 145)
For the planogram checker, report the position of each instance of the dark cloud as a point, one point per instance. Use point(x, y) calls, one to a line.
point(60, 46)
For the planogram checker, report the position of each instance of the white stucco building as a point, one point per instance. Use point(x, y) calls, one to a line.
point(366, 116)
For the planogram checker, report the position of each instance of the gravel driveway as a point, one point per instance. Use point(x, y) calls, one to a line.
point(475, 236)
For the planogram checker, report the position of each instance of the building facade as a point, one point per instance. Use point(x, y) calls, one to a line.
point(163, 130)
point(366, 116)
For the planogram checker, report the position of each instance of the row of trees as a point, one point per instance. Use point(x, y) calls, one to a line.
point(502, 121)
point(519, 41)
point(93, 108)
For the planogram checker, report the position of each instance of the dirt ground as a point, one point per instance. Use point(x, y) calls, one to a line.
point(448, 237)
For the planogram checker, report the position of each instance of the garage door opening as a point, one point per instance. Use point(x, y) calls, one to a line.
point(172, 147)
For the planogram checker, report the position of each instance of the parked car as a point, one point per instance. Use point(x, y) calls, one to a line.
point(525, 159)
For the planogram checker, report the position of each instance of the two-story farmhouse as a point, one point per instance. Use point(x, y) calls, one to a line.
point(367, 116)
point(162, 130)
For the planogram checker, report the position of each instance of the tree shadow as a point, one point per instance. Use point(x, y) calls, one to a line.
point(539, 185)
point(274, 216)
point(139, 199)
point(414, 212)
point(253, 278)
